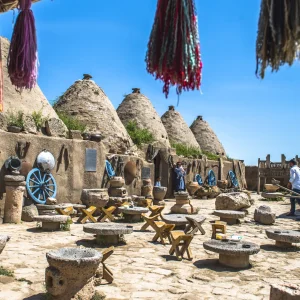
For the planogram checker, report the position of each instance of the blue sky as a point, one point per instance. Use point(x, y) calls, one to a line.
point(108, 40)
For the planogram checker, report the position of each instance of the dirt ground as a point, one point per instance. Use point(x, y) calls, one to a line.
point(144, 270)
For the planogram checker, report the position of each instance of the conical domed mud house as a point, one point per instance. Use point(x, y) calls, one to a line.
point(137, 107)
point(88, 102)
point(178, 131)
point(206, 137)
point(25, 101)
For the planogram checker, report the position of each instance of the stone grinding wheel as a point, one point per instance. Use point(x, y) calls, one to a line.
point(130, 171)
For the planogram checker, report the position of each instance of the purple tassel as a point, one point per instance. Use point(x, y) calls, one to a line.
point(22, 57)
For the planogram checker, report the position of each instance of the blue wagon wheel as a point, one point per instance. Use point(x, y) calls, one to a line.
point(211, 178)
point(233, 179)
point(40, 186)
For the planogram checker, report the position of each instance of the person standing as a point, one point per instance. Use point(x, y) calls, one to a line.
point(179, 177)
point(294, 184)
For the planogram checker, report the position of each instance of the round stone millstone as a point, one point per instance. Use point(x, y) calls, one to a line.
point(14, 178)
point(284, 236)
point(229, 214)
point(231, 248)
point(3, 240)
point(133, 210)
point(176, 219)
point(108, 229)
point(52, 219)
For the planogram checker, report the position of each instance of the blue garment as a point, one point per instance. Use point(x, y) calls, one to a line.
point(293, 201)
point(198, 178)
point(157, 183)
point(179, 179)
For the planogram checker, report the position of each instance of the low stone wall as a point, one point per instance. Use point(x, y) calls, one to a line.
point(69, 171)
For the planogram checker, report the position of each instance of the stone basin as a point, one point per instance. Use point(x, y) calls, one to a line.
point(159, 193)
point(117, 182)
point(271, 188)
point(232, 254)
point(271, 195)
point(52, 223)
point(283, 238)
point(71, 273)
point(3, 240)
point(108, 233)
point(231, 217)
point(95, 197)
point(133, 214)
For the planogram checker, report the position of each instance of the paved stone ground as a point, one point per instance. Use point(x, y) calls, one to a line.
point(144, 270)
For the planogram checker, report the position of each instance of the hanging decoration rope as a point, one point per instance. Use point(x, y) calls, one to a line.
point(22, 56)
point(173, 54)
point(278, 37)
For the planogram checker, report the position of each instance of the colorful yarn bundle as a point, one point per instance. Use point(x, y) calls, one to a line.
point(173, 54)
point(278, 37)
point(22, 57)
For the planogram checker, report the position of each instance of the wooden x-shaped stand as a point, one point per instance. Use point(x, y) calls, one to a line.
point(181, 244)
point(162, 231)
point(149, 221)
point(107, 273)
point(107, 213)
point(156, 210)
point(194, 226)
point(87, 214)
point(67, 211)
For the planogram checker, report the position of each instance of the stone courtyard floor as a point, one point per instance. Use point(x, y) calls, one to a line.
point(144, 270)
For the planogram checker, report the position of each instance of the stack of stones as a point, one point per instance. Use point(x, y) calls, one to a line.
point(15, 187)
point(147, 188)
point(117, 192)
point(183, 205)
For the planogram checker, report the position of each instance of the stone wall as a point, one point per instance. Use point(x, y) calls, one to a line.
point(69, 171)
point(251, 177)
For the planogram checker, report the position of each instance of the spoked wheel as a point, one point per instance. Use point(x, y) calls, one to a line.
point(40, 185)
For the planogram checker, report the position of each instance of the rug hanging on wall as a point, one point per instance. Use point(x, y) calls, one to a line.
point(22, 56)
point(278, 36)
point(173, 54)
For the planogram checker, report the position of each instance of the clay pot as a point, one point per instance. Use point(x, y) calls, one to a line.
point(3, 240)
point(222, 184)
point(86, 136)
point(71, 273)
point(96, 137)
point(117, 182)
point(159, 192)
point(147, 191)
point(14, 129)
point(130, 171)
point(192, 188)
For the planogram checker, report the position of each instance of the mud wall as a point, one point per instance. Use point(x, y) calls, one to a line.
point(69, 172)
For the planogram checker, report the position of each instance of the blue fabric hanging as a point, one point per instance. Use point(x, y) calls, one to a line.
point(211, 178)
point(109, 169)
point(233, 179)
point(198, 178)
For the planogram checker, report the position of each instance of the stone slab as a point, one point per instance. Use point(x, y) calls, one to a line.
point(285, 236)
point(107, 229)
point(133, 210)
point(229, 214)
point(52, 219)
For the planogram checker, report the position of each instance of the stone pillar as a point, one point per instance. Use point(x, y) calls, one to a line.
point(183, 205)
point(15, 187)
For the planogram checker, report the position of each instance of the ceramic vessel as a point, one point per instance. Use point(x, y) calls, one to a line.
point(192, 188)
point(159, 192)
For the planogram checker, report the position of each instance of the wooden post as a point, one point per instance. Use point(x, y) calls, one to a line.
point(258, 177)
point(221, 169)
point(268, 161)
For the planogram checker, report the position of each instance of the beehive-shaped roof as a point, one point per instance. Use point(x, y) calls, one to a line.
point(25, 101)
point(88, 102)
point(206, 137)
point(137, 107)
point(178, 131)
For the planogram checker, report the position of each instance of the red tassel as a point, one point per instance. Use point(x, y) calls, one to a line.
point(173, 54)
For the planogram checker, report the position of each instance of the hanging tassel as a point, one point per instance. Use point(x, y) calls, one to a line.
point(22, 57)
point(278, 36)
point(173, 54)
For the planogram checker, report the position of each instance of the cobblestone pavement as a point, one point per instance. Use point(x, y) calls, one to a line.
point(144, 270)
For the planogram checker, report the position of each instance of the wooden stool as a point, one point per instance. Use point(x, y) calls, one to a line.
point(107, 273)
point(194, 225)
point(107, 213)
point(67, 211)
point(181, 244)
point(156, 210)
point(149, 221)
point(87, 214)
point(218, 227)
point(162, 231)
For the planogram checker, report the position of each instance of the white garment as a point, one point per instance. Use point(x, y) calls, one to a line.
point(295, 177)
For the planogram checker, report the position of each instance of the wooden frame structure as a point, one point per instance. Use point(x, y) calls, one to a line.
point(268, 170)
